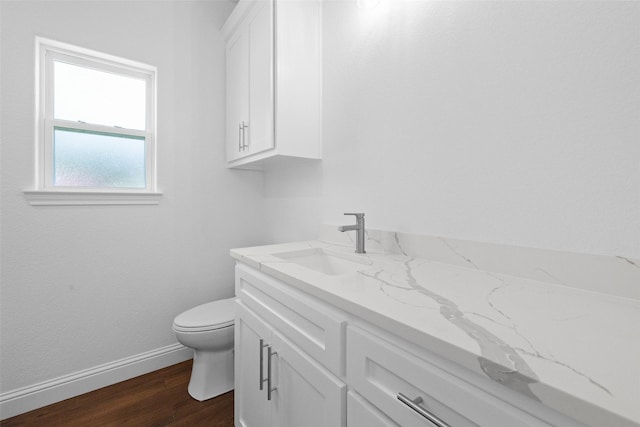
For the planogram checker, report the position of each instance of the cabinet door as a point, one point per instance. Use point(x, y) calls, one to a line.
point(361, 414)
point(237, 95)
point(306, 393)
point(261, 105)
point(251, 406)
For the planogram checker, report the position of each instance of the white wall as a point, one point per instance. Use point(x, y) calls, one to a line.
point(512, 122)
point(84, 286)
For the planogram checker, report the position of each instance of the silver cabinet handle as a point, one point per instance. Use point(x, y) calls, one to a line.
point(262, 346)
point(244, 135)
point(415, 405)
point(239, 137)
point(269, 388)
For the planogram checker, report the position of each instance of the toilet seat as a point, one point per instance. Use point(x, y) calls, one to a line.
point(206, 317)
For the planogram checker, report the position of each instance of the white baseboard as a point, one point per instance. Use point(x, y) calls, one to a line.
point(19, 401)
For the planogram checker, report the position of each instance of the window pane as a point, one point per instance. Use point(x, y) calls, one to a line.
point(86, 95)
point(88, 159)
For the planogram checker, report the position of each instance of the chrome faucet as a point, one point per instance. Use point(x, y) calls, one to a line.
point(359, 228)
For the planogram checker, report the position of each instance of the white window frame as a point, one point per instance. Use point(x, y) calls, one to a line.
point(46, 193)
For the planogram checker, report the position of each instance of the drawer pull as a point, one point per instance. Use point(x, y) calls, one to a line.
point(415, 405)
point(262, 346)
point(270, 389)
point(244, 135)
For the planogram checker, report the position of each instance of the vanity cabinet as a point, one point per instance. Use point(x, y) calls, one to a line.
point(331, 368)
point(273, 53)
point(277, 382)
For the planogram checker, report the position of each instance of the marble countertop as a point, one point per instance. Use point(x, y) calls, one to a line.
point(575, 350)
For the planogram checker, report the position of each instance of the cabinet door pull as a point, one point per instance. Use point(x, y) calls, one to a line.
point(269, 379)
point(239, 137)
point(244, 135)
point(415, 405)
point(262, 346)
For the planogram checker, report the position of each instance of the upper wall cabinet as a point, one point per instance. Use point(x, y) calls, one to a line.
point(274, 81)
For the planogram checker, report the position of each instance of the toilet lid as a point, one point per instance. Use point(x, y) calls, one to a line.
point(205, 317)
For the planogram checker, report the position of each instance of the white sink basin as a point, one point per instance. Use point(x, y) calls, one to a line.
point(319, 260)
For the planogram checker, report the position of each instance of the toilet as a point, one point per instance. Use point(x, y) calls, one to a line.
point(208, 329)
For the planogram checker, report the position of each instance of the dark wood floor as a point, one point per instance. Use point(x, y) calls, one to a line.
point(156, 399)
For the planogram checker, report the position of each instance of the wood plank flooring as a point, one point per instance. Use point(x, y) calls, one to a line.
point(159, 398)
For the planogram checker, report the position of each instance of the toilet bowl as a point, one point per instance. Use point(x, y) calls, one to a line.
point(208, 330)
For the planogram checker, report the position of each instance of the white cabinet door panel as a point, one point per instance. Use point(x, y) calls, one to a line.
point(251, 405)
point(360, 413)
point(260, 130)
point(307, 394)
point(237, 94)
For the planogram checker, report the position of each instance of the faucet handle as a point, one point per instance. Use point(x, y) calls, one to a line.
point(359, 217)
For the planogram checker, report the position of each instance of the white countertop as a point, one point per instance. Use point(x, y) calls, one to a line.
point(575, 350)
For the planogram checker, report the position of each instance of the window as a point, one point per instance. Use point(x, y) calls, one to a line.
point(95, 124)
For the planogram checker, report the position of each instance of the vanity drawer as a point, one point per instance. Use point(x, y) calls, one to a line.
point(314, 327)
point(381, 371)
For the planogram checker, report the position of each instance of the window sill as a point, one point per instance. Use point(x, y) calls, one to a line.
point(89, 198)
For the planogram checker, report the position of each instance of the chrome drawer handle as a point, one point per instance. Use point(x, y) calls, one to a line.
point(415, 405)
point(244, 127)
point(270, 353)
point(262, 346)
